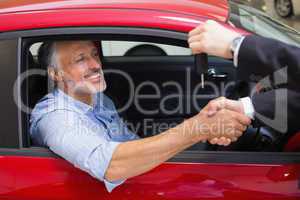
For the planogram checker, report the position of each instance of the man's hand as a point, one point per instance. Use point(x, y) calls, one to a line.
point(222, 121)
point(212, 38)
point(223, 103)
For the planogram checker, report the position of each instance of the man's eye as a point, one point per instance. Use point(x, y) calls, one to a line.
point(79, 59)
point(96, 54)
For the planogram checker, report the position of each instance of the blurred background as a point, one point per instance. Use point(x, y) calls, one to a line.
point(285, 11)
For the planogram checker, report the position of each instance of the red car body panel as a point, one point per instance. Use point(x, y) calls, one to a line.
point(173, 15)
point(218, 8)
point(31, 178)
point(73, 18)
point(293, 144)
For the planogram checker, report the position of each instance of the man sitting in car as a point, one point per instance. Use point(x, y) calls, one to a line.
point(79, 123)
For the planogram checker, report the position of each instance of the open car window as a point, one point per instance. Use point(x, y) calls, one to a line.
point(155, 86)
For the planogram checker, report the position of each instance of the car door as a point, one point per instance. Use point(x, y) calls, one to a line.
point(30, 172)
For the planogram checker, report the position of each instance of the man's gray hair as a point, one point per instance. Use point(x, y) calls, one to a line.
point(47, 56)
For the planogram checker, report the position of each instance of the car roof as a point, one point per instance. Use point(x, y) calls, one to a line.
point(215, 7)
point(24, 12)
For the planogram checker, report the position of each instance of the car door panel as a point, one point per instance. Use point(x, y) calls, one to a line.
point(183, 177)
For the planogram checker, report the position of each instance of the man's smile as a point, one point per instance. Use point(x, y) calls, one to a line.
point(94, 77)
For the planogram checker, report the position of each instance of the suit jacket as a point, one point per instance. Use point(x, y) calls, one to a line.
point(261, 57)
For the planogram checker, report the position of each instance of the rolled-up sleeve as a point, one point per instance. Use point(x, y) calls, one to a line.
point(83, 144)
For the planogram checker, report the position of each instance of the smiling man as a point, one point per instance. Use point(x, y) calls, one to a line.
point(81, 74)
point(79, 123)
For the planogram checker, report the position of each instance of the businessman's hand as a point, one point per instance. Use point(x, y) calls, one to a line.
point(221, 122)
point(212, 38)
point(223, 103)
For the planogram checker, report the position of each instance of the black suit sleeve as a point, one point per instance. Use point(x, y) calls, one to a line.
point(262, 56)
point(278, 105)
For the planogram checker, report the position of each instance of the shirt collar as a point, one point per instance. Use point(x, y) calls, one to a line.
point(66, 101)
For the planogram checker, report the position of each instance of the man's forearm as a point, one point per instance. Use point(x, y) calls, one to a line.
point(136, 157)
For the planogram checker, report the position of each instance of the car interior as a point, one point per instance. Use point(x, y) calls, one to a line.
point(147, 64)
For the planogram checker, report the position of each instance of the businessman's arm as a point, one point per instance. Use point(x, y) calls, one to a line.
point(255, 55)
point(263, 56)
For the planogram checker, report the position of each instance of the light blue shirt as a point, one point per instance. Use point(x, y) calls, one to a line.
point(84, 135)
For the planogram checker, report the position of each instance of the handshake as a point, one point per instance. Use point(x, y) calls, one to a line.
point(221, 122)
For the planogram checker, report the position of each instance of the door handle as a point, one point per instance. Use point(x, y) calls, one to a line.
point(213, 73)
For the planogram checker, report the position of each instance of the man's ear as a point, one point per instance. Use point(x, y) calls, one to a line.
point(54, 74)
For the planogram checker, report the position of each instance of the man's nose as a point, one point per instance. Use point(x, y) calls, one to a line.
point(94, 64)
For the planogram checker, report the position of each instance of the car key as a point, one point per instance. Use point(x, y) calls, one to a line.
point(201, 62)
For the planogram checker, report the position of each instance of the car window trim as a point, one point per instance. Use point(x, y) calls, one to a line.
point(217, 157)
point(19, 91)
point(95, 30)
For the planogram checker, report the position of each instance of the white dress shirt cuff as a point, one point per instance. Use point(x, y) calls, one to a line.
point(248, 107)
point(236, 52)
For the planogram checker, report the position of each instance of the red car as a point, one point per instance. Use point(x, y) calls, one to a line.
point(147, 39)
